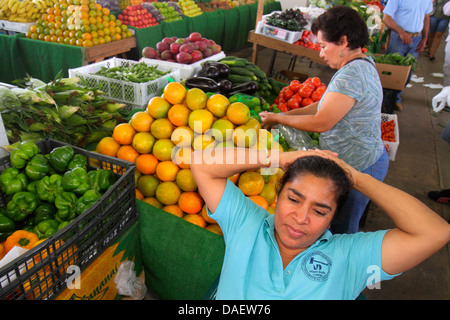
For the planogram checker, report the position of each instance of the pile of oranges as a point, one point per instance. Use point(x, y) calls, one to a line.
point(160, 141)
point(80, 23)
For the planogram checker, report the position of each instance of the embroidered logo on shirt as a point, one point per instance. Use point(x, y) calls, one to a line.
point(316, 266)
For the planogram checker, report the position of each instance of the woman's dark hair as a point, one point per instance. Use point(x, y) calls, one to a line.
point(321, 168)
point(342, 21)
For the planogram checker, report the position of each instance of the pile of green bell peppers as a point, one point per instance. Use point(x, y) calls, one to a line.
point(46, 192)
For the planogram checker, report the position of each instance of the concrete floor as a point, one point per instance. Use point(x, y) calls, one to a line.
point(422, 164)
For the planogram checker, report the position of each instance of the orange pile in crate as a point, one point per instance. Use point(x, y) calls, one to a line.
point(80, 23)
point(160, 141)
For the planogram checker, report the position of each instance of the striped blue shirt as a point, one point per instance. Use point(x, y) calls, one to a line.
point(357, 136)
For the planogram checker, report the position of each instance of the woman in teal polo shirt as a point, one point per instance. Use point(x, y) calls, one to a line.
point(291, 254)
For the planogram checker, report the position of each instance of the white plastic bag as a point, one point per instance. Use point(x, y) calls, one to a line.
point(441, 99)
point(127, 284)
point(297, 139)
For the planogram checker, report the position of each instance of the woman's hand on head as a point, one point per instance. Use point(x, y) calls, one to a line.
point(286, 158)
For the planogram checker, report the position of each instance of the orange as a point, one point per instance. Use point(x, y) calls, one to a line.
point(139, 195)
point(205, 216)
point(215, 228)
point(203, 141)
point(190, 202)
point(269, 192)
point(143, 142)
point(178, 114)
point(218, 105)
point(195, 219)
point(244, 137)
point(185, 180)
point(167, 170)
point(264, 140)
point(141, 121)
point(238, 113)
point(167, 192)
point(260, 201)
point(200, 120)
point(222, 130)
point(182, 157)
point(182, 136)
point(251, 183)
point(124, 133)
point(158, 107)
point(153, 201)
point(147, 185)
point(127, 153)
point(146, 163)
point(196, 99)
point(234, 178)
point(254, 124)
point(174, 209)
point(161, 128)
point(108, 146)
point(174, 92)
point(162, 149)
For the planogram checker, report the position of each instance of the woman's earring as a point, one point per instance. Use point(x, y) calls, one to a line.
point(341, 55)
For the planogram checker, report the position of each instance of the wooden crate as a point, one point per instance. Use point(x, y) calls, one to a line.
point(100, 52)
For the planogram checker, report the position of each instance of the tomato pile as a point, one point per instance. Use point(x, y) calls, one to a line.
point(298, 95)
point(307, 41)
point(387, 131)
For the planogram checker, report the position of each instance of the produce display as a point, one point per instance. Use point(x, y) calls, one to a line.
point(308, 40)
point(64, 110)
point(298, 95)
point(183, 50)
point(83, 25)
point(123, 4)
point(138, 72)
point(137, 16)
point(290, 19)
point(112, 5)
point(24, 11)
point(189, 8)
point(44, 193)
point(153, 11)
point(160, 141)
point(171, 11)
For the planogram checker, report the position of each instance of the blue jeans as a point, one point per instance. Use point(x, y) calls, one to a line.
point(356, 203)
point(396, 45)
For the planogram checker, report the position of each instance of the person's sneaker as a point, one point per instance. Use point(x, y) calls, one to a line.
point(398, 106)
point(442, 196)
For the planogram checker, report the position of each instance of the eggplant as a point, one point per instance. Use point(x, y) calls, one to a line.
point(203, 83)
point(249, 87)
point(209, 72)
point(225, 85)
point(224, 69)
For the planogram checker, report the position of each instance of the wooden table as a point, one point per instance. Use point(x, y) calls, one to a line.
point(281, 46)
point(100, 52)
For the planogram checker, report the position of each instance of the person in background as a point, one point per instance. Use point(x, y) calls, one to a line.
point(409, 22)
point(291, 254)
point(438, 25)
point(349, 114)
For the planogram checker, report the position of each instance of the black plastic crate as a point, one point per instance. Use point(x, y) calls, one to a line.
point(42, 272)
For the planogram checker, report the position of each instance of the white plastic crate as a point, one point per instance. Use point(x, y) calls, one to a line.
point(391, 147)
point(20, 27)
point(186, 70)
point(135, 94)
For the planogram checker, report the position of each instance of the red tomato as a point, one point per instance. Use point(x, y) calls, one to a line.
point(316, 95)
point(306, 90)
point(283, 107)
point(306, 102)
point(294, 85)
point(288, 94)
point(322, 89)
point(293, 104)
point(316, 81)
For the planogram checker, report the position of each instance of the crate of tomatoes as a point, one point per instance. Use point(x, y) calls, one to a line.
point(300, 94)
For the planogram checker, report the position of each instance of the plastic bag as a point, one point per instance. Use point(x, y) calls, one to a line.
point(441, 99)
point(127, 284)
point(297, 139)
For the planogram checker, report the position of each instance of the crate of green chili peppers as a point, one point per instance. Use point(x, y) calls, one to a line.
point(128, 81)
point(77, 202)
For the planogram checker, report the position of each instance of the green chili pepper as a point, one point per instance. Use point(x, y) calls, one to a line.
point(12, 181)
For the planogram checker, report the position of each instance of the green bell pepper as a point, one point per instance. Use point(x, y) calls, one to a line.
point(59, 157)
point(66, 203)
point(78, 160)
point(31, 187)
point(76, 181)
point(12, 180)
point(63, 224)
point(101, 179)
point(22, 204)
point(48, 187)
point(87, 200)
point(43, 211)
point(37, 167)
point(7, 227)
point(24, 152)
point(46, 228)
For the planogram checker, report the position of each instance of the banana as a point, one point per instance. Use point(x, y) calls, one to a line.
point(15, 6)
point(11, 4)
point(39, 4)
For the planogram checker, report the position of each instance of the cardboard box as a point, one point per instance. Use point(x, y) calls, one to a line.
point(393, 76)
point(277, 33)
